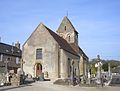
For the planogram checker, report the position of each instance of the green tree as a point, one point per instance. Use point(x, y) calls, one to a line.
point(93, 69)
point(105, 66)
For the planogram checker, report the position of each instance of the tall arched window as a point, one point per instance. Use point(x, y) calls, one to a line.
point(65, 28)
point(69, 38)
point(1, 57)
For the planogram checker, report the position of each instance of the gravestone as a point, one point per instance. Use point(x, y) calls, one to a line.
point(15, 80)
point(115, 80)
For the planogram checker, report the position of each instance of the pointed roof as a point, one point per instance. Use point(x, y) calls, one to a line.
point(66, 21)
point(41, 24)
point(62, 42)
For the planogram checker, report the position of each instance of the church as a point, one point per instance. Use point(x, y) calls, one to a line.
point(54, 54)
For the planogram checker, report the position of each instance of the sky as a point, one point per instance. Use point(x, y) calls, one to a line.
point(97, 22)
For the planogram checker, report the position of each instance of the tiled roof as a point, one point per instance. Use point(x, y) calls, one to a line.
point(84, 55)
point(75, 47)
point(78, 49)
point(62, 42)
point(10, 50)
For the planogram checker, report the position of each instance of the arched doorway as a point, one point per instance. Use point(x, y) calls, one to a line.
point(38, 68)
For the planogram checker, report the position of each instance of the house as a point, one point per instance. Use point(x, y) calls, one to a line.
point(10, 56)
point(56, 55)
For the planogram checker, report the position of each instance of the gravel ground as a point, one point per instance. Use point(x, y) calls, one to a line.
point(48, 86)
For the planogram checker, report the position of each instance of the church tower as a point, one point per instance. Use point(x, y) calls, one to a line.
point(67, 31)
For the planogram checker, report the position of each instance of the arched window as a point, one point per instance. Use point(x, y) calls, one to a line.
point(65, 28)
point(69, 38)
point(1, 57)
point(69, 67)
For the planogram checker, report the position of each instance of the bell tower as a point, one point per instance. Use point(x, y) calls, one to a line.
point(67, 31)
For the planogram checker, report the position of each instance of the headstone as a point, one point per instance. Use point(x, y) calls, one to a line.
point(15, 80)
point(46, 74)
point(41, 77)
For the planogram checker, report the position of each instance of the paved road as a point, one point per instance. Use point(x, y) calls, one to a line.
point(48, 86)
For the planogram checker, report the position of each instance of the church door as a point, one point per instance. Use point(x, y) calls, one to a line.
point(38, 69)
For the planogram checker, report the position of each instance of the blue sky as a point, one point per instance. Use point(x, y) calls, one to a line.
point(97, 21)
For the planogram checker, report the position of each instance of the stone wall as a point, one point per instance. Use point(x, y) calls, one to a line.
point(64, 56)
point(11, 65)
point(41, 38)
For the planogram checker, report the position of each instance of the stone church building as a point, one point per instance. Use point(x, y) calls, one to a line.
point(54, 54)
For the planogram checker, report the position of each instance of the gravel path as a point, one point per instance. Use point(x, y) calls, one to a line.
point(48, 86)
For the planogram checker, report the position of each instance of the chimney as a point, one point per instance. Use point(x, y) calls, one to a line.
point(17, 45)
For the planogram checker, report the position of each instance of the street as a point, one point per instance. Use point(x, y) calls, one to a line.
point(48, 86)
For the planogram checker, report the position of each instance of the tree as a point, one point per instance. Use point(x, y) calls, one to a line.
point(93, 69)
point(105, 66)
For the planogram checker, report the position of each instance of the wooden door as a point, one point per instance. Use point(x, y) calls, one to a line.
point(38, 69)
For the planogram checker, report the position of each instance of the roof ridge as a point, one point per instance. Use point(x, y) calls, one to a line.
point(8, 45)
point(62, 42)
point(7, 49)
point(41, 23)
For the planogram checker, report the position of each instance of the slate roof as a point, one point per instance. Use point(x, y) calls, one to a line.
point(75, 47)
point(62, 42)
point(10, 50)
point(78, 49)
